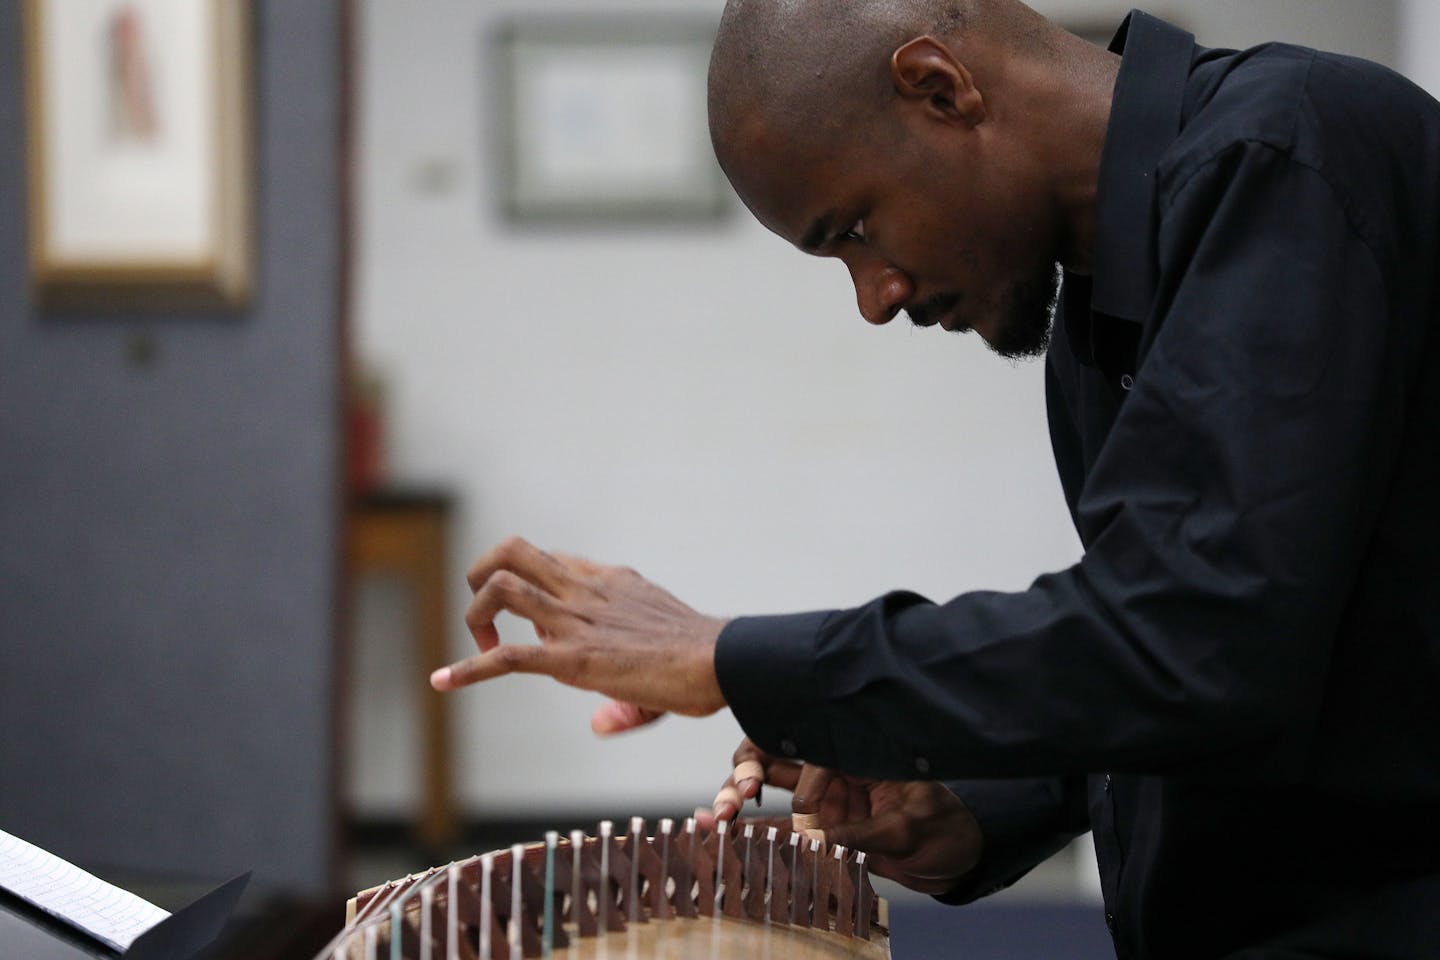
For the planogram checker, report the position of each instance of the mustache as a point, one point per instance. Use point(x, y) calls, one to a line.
point(929, 312)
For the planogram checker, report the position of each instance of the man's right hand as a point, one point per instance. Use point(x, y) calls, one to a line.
point(917, 833)
point(600, 627)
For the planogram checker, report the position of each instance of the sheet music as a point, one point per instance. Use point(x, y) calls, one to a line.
point(111, 915)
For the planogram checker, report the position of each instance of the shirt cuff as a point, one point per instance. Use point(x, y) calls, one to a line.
point(766, 669)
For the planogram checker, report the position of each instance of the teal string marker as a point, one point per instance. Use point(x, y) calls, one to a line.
point(547, 934)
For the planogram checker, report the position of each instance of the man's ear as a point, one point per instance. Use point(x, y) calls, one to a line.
point(926, 72)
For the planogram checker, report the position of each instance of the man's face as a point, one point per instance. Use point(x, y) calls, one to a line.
point(943, 234)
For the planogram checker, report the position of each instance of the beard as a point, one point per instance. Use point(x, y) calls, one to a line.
point(1027, 315)
point(1024, 331)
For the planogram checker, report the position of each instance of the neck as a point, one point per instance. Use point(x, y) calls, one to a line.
point(1057, 88)
point(1076, 141)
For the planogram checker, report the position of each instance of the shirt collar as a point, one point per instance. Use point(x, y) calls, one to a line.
point(1144, 120)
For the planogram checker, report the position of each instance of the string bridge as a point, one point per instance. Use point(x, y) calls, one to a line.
point(752, 878)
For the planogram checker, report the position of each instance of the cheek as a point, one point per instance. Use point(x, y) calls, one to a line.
point(1019, 225)
point(956, 244)
point(951, 254)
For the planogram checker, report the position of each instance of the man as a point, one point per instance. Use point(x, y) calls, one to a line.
point(1236, 687)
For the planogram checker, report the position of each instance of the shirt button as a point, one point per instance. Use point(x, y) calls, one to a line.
point(1127, 382)
point(922, 766)
point(1107, 783)
point(787, 747)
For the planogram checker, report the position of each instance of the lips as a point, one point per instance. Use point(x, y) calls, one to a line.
point(954, 323)
point(942, 309)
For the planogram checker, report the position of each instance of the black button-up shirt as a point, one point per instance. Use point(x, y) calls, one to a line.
point(1238, 685)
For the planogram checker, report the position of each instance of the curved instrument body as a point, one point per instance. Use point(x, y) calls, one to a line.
point(749, 889)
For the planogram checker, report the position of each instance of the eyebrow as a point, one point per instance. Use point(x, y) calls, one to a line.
point(818, 233)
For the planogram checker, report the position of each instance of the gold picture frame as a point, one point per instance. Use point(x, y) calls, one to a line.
point(140, 153)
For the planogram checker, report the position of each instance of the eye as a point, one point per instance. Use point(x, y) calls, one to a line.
point(856, 233)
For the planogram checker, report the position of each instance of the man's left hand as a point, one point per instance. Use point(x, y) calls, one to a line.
point(917, 833)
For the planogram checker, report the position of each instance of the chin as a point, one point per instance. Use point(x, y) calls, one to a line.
point(1024, 328)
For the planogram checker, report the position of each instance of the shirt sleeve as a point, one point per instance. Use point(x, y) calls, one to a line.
point(1223, 520)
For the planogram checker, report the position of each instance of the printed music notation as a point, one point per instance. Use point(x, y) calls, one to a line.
point(101, 910)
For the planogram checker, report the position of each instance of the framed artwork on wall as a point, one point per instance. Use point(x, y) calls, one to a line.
point(609, 122)
point(140, 152)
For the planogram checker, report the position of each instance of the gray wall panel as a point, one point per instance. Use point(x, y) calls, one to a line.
point(168, 533)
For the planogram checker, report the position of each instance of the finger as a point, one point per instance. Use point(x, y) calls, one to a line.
point(809, 797)
point(749, 772)
point(745, 780)
point(747, 751)
point(520, 557)
point(784, 774)
point(487, 636)
point(616, 716)
point(582, 566)
point(777, 772)
point(728, 801)
point(502, 660)
point(749, 776)
point(780, 773)
point(508, 591)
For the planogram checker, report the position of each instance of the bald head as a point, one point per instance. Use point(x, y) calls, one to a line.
point(946, 151)
point(814, 67)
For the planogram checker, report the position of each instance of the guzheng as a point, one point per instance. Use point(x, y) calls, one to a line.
point(751, 888)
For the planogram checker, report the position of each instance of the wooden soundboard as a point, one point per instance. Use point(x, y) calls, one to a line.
point(749, 889)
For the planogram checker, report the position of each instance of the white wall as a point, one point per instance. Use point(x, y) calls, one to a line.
point(1419, 34)
point(703, 404)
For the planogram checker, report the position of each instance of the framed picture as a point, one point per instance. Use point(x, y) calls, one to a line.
point(604, 120)
point(139, 115)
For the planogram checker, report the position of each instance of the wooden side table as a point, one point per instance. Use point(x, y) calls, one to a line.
point(402, 533)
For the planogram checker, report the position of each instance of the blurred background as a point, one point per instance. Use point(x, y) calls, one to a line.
point(235, 533)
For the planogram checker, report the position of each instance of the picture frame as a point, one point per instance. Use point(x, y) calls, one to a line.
point(609, 123)
point(139, 143)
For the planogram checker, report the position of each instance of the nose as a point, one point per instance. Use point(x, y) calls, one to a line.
point(881, 289)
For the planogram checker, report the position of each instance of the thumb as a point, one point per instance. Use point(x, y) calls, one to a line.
point(615, 716)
